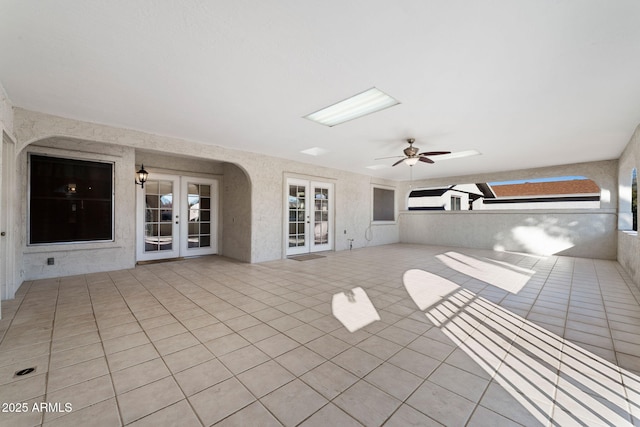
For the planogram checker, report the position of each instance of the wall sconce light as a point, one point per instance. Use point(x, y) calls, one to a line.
point(141, 176)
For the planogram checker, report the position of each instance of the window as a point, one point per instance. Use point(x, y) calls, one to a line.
point(455, 203)
point(70, 200)
point(383, 204)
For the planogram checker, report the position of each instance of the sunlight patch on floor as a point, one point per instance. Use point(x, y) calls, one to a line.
point(353, 309)
point(505, 276)
point(426, 289)
point(551, 377)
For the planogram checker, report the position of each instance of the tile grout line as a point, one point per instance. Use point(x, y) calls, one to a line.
point(104, 351)
point(171, 374)
point(53, 323)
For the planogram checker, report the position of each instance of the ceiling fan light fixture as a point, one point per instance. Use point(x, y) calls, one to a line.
point(367, 102)
point(411, 161)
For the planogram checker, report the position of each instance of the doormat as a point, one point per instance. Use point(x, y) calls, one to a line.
point(306, 257)
point(158, 261)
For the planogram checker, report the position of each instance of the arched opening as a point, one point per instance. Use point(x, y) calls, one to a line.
point(214, 198)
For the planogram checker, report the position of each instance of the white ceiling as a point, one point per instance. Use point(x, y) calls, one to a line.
point(526, 83)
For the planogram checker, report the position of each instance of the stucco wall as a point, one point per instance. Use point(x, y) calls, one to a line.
point(11, 256)
point(629, 254)
point(265, 178)
point(628, 243)
point(178, 165)
point(570, 232)
point(257, 233)
point(236, 214)
point(6, 113)
point(584, 232)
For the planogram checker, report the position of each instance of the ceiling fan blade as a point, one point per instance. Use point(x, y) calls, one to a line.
point(434, 153)
point(426, 160)
point(398, 162)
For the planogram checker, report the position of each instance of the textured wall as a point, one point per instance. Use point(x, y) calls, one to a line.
point(9, 273)
point(79, 258)
point(266, 175)
point(174, 164)
point(572, 232)
point(6, 113)
point(236, 214)
point(584, 233)
point(629, 254)
point(628, 243)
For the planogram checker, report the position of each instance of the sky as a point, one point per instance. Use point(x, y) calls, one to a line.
point(551, 179)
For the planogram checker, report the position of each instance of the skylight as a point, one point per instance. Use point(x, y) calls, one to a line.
point(359, 105)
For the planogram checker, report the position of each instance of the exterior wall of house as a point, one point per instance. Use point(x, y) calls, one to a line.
point(628, 240)
point(444, 200)
point(464, 200)
point(584, 233)
point(257, 233)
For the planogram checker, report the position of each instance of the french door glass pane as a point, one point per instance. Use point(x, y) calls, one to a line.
point(321, 216)
point(297, 220)
point(158, 216)
point(199, 229)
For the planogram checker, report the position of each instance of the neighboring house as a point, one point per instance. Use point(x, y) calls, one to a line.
point(569, 194)
point(461, 197)
point(572, 194)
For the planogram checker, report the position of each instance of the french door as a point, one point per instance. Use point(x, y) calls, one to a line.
point(309, 225)
point(177, 216)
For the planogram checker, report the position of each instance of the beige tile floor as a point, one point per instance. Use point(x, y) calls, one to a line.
point(465, 337)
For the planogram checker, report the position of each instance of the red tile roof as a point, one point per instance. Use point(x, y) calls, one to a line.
point(578, 186)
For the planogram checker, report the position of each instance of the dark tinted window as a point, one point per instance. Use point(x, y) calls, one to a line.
point(383, 205)
point(70, 200)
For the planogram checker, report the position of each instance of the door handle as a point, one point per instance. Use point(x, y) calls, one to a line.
point(2, 233)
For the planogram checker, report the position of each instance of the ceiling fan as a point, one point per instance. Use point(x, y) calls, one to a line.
point(411, 155)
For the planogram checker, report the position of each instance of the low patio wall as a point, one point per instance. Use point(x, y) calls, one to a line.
point(577, 232)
